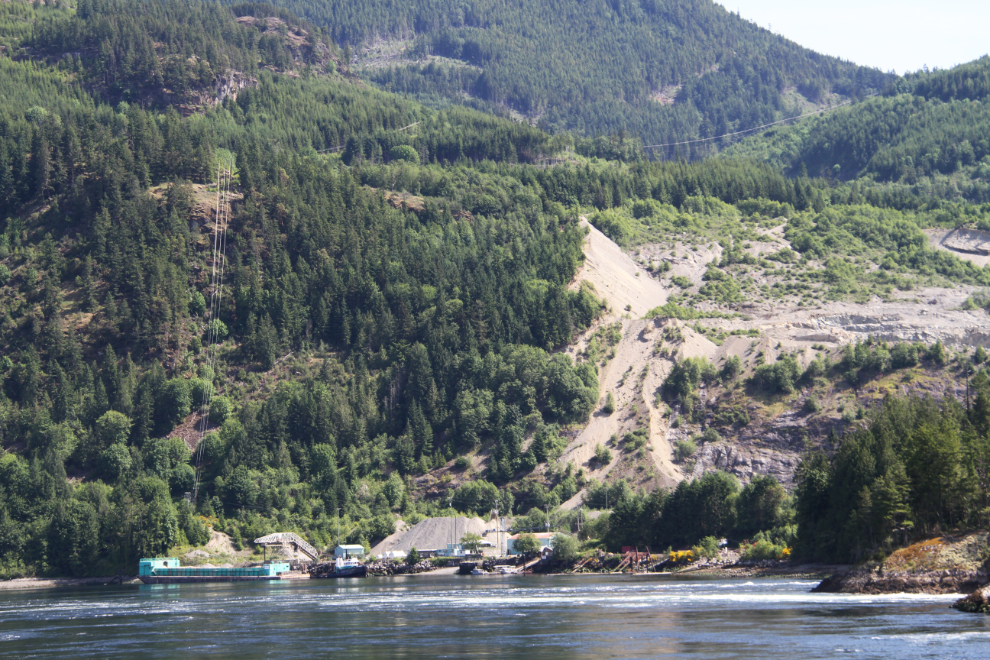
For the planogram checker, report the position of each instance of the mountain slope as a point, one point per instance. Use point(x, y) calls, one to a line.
point(928, 129)
point(664, 70)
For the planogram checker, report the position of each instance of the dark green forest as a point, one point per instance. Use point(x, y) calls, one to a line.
point(593, 67)
point(396, 281)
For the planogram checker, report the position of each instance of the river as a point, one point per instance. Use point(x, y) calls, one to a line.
point(486, 616)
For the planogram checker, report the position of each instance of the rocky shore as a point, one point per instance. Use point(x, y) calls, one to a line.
point(977, 602)
point(942, 565)
point(921, 582)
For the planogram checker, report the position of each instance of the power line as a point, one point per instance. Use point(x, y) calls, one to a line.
point(748, 130)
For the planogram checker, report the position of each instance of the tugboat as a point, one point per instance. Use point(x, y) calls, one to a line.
point(341, 568)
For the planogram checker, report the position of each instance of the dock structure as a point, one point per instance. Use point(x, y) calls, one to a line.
point(285, 540)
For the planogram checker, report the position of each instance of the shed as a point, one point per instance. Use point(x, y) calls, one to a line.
point(349, 551)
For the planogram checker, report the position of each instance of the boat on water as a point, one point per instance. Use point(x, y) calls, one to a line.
point(168, 570)
point(340, 568)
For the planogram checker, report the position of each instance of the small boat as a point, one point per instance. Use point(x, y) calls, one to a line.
point(506, 570)
point(341, 568)
point(478, 571)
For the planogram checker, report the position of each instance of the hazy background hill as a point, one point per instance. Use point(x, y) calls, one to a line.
point(663, 70)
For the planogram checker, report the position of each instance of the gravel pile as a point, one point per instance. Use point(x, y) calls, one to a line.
point(432, 534)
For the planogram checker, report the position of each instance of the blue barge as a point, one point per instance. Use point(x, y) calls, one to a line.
point(167, 570)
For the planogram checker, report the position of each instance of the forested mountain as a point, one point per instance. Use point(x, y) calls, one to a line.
point(396, 277)
point(663, 70)
point(929, 129)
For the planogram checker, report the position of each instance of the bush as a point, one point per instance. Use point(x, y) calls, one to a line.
point(764, 549)
point(686, 375)
point(904, 356)
point(711, 435)
point(565, 547)
point(777, 378)
point(812, 405)
point(937, 353)
point(684, 449)
point(707, 547)
point(602, 455)
point(609, 406)
point(731, 368)
point(4, 274)
point(413, 557)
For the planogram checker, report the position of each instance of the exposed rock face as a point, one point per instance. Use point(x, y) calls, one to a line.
point(977, 602)
point(925, 582)
point(745, 462)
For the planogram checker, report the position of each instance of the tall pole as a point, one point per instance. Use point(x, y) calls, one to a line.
point(547, 507)
point(338, 528)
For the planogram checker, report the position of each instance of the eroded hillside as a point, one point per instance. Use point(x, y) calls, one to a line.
point(739, 429)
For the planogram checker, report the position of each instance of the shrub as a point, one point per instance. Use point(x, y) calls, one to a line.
point(684, 449)
point(777, 378)
point(602, 455)
point(413, 557)
point(731, 368)
point(937, 353)
point(904, 356)
point(811, 405)
point(686, 375)
point(764, 549)
point(711, 435)
point(707, 547)
point(462, 463)
point(609, 406)
point(565, 547)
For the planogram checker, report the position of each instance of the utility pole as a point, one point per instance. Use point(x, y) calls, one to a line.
point(547, 507)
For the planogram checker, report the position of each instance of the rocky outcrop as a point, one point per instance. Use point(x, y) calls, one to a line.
point(977, 602)
point(950, 581)
point(941, 565)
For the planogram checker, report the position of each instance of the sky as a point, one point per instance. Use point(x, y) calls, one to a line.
point(899, 35)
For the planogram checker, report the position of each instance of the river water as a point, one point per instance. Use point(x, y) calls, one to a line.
point(486, 616)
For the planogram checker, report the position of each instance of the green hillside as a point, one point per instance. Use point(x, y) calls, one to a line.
point(396, 287)
point(928, 130)
point(663, 70)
